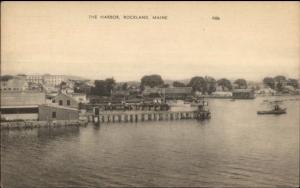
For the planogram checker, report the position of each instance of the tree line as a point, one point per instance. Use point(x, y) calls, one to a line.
point(278, 82)
point(199, 84)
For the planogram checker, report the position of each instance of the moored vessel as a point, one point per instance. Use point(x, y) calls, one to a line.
point(277, 110)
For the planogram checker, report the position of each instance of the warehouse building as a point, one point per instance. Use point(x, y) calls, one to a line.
point(243, 94)
point(21, 105)
point(54, 112)
point(169, 93)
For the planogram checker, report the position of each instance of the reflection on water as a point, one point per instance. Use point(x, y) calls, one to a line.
point(236, 147)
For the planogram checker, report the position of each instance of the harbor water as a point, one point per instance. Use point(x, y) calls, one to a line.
point(235, 148)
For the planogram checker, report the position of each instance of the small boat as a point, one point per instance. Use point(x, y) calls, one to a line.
point(277, 111)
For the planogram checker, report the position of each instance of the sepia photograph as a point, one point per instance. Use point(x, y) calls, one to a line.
point(150, 94)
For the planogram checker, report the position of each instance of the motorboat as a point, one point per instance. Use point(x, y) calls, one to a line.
point(277, 111)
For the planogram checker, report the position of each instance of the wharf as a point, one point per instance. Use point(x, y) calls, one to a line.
point(140, 116)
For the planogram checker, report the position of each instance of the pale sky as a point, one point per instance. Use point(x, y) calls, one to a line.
point(251, 40)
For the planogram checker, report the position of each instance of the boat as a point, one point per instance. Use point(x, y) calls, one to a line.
point(277, 111)
point(202, 112)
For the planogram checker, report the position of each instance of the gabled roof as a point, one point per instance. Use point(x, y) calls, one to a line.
point(65, 95)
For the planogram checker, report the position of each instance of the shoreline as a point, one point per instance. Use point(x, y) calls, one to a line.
point(41, 124)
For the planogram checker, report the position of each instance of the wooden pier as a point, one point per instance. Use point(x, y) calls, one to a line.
point(141, 116)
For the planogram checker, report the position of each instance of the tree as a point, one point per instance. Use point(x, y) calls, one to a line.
point(62, 85)
point(270, 82)
point(178, 84)
point(198, 84)
point(293, 82)
point(279, 86)
point(241, 83)
point(211, 84)
point(110, 83)
point(224, 83)
point(280, 78)
point(124, 86)
point(103, 87)
point(153, 80)
point(279, 82)
point(82, 87)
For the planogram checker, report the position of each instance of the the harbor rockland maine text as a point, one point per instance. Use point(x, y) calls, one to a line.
point(128, 17)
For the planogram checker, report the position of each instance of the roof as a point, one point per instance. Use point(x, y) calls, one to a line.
point(22, 98)
point(58, 106)
point(179, 90)
point(14, 83)
point(28, 106)
point(149, 90)
point(173, 90)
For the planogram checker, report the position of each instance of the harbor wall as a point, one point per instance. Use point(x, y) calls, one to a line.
point(40, 124)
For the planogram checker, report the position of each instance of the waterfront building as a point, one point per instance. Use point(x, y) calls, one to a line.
point(65, 100)
point(14, 84)
point(47, 79)
point(38, 79)
point(243, 94)
point(53, 80)
point(288, 89)
point(148, 91)
point(54, 112)
point(266, 91)
point(177, 92)
point(169, 93)
point(21, 105)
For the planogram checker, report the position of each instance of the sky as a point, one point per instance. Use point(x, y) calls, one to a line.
point(251, 40)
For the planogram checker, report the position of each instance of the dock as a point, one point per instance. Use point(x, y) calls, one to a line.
point(141, 116)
